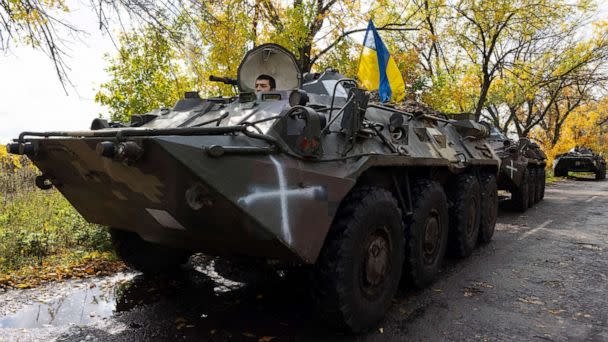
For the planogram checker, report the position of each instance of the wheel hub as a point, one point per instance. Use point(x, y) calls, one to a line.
point(377, 261)
point(471, 219)
point(432, 233)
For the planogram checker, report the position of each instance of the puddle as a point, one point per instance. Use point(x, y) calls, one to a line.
point(78, 303)
point(84, 301)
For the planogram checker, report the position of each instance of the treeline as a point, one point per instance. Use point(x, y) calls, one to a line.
point(533, 68)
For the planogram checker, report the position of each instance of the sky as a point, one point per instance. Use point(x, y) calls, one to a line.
point(32, 98)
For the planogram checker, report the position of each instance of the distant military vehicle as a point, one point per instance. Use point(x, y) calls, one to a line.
point(311, 173)
point(579, 159)
point(522, 171)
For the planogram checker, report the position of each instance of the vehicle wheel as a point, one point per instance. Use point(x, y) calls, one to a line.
point(601, 174)
point(519, 195)
point(558, 172)
point(542, 182)
point(489, 207)
point(531, 186)
point(359, 267)
point(426, 232)
point(145, 256)
point(465, 214)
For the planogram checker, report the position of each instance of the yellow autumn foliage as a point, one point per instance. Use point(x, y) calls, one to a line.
point(586, 127)
point(9, 162)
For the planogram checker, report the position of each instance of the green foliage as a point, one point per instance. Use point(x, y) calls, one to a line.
point(145, 75)
point(521, 64)
point(36, 225)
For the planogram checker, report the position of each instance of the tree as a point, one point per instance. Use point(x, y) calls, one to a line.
point(489, 32)
point(210, 38)
point(37, 23)
point(145, 75)
point(586, 126)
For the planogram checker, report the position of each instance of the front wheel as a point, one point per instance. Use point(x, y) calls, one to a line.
point(359, 267)
point(145, 256)
point(559, 172)
point(601, 174)
point(531, 186)
point(520, 194)
point(540, 184)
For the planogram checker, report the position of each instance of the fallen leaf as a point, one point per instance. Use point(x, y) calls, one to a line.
point(556, 311)
point(266, 338)
point(381, 330)
point(531, 300)
point(248, 334)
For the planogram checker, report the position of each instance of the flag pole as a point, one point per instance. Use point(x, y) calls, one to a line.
point(363, 46)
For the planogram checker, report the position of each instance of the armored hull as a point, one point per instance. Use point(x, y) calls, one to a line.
point(316, 175)
point(522, 170)
point(580, 160)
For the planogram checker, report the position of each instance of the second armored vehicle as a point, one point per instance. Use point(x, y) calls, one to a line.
point(522, 171)
point(308, 173)
point(579, 159)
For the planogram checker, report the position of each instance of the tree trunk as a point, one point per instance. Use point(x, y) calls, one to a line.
point(483, 94)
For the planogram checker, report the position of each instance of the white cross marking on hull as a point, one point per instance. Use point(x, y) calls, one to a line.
point(511, 168)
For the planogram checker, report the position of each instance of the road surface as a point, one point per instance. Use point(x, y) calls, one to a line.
point(544, 277)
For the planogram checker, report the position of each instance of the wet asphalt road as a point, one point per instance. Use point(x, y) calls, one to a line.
point(543, 277)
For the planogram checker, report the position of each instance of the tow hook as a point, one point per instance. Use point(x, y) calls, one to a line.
point(44, 182)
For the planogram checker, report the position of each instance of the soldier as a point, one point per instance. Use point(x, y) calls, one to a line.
point(265, 83)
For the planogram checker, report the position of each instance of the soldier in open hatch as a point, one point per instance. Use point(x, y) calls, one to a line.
point(312, 174)
point(265, 83)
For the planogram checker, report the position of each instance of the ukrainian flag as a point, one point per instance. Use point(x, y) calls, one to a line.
point(378, 70)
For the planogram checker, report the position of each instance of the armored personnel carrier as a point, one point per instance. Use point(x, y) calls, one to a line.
point(579, 159)
point(522, 171)
point(309, 173)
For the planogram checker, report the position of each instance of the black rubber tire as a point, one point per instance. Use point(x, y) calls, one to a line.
point(558, 172)
point(531, 186)
point(146, 257)
point(489, 206)
point(543, 182)
point(465, 213)
point(340, 275)
point(429, 206)
point(520, 195)
point(601, 174)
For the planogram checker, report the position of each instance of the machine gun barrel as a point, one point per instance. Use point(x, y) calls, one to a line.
point(225, 80)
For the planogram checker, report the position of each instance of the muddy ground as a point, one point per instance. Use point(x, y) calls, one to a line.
point(543, 277)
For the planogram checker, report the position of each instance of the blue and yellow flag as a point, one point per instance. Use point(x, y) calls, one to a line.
point(377, 68)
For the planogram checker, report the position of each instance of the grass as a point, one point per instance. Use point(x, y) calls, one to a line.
point(549, 178)
point(41, 233)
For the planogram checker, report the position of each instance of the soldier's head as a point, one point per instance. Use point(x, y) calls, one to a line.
point(265, 83)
